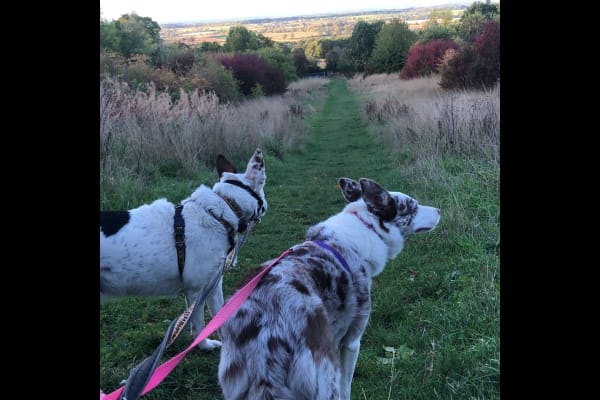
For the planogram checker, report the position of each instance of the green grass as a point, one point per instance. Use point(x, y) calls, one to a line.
point(434, 327)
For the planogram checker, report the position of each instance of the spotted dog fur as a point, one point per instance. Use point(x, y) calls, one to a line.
point(297, 336)
point(137, 247)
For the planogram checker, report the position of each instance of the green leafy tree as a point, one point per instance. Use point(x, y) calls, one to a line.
point(283, 62)
point(213, 47)
point(240, 39)
point(474, 18)
point(335, 52)
point(391, 48)
point(314, 49)
point(332, 58)
point(300, 61)
point(328, 45)
point(361, 44)
point(109, 36)
point(487, 9)
point(285, 48)
point(470, 26)
point(221, 79)
point(264, 41)
point(437, 32)
point(343, 64)
point(138, 35)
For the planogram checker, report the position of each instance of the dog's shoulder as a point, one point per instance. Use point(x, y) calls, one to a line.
point(153, 207)
point(202, 199)
point(203, 195)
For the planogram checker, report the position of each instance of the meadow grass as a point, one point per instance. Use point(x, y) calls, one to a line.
point(434, 327)
point(145, 137)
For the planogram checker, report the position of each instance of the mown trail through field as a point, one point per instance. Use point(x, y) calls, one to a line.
point(303, 187)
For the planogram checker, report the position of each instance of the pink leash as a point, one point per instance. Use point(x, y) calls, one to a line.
point(219, 319)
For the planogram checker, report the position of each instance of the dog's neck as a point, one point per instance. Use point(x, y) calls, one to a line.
point(367, 224)
point(247, 189)
point(242, 223)
point(246, 207)
point(358, 244)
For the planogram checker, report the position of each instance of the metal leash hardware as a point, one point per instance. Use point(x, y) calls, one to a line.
point(232, 256)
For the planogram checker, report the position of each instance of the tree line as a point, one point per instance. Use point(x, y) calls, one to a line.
point(466, 54)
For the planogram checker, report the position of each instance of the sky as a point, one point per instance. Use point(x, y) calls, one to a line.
point(168, 11)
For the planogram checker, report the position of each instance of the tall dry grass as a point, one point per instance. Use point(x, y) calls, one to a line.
point(417, 112)
point(143, 133)
point(445, 142)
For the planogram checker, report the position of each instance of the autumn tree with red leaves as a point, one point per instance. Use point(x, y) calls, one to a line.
point(477, 64)
point(424, 58)
point(254, 74)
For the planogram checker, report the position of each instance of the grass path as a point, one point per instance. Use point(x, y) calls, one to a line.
point(302, 189)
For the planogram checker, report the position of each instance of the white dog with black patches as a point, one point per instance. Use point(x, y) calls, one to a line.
point(297, 336)
point(138, 252)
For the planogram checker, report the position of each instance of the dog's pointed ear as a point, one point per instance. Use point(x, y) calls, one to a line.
point(223, 165)
point(379, 201)
point(350, 189)
point(255, 171)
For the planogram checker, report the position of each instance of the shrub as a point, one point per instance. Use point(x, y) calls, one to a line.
point(220, 79)
point(437, 31)
point(281, 61)
point(183, 63)
point(177, 57)
point(424, 58)
point(476, 65)
point(487, 50)
point(112, 64)
point(300, 61)
point(137, 71)
point(257, 91)
point(456, 69)
point(251, 70)
point(164, 80)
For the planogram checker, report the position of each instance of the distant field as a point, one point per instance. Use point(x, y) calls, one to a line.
point(295, 29)
point(294, 36)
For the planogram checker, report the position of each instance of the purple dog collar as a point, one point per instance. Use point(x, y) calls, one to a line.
point(335, 253)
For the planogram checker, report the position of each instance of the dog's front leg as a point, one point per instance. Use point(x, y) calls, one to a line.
point(198, 319)
point(348, 356)
point(215, 302)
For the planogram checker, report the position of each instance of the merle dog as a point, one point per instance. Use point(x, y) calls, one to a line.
point(297, 336)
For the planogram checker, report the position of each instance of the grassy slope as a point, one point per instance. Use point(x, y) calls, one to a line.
point(436, 305)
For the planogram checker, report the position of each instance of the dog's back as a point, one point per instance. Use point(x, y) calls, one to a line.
point(136, 250)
